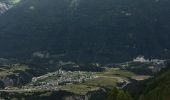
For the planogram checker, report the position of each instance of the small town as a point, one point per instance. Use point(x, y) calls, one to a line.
point(52, 81)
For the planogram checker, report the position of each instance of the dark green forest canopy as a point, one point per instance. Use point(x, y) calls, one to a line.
point(157, 88)
point(87, 30)
point(117, 94)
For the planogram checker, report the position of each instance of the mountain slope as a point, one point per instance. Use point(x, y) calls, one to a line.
point(87, 30)
point(158, 88)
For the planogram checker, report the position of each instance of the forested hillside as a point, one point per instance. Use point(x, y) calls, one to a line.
point(158, 88)
point(87, 30)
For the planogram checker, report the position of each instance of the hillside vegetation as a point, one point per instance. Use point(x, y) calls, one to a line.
point(158, 88)
point(87, 30)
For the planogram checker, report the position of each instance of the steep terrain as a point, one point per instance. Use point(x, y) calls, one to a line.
point(5, 5)
point(87, 30)
point(158, 88)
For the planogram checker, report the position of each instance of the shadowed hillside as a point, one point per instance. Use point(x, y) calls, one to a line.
point(87, 30)
point(158, 88)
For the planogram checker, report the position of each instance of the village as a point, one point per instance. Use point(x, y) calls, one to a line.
point(54, 80)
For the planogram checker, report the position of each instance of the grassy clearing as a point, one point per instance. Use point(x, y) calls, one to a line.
point(102, 82)
point(116, 72)
point(141, 77)
point(79, 88)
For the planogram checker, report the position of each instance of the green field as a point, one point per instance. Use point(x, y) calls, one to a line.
point(79, 88)
point(12, 69)
point(102, 82)
point(116, 72)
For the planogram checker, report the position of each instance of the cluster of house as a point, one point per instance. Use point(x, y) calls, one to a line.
point(157, 63)
point(60, 77)
point(143, 60)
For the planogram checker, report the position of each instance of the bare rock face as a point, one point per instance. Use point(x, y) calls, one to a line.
point(5, 5)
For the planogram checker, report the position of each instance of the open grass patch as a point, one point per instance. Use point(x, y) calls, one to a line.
point(79, 88)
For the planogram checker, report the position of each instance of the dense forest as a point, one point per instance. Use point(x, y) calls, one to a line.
point(87, 30)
